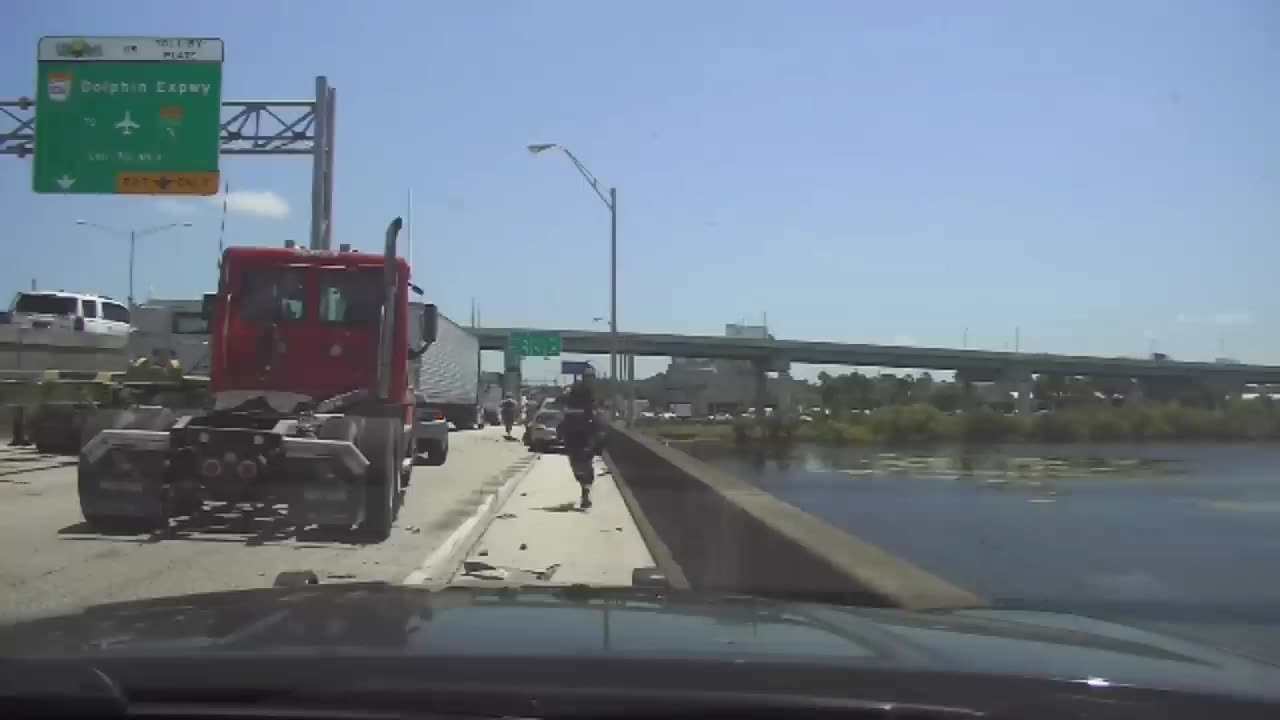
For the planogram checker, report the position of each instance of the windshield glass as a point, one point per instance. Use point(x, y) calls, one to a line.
point(268, 295)
point(933, 307)
point(350, 297)
point(46, 304)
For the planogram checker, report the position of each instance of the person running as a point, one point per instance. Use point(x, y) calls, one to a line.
point(579, 432)
point(508, 410)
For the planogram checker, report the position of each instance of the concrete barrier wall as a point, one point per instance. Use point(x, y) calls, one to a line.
point(51, 349)
point(716, 532)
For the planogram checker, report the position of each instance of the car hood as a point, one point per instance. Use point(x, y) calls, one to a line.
point(383, 619)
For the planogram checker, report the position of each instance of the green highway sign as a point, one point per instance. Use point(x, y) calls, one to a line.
point(128, 115)
point(533, 344)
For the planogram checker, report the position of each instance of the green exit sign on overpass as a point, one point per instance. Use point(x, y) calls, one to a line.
point(533, 344)
point(128, 115)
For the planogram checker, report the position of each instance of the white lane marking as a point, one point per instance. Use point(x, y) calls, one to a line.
point(444, 559)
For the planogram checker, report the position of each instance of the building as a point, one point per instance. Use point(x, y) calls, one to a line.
point(713, 385)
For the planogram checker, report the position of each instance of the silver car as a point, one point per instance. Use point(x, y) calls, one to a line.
point(542, 431)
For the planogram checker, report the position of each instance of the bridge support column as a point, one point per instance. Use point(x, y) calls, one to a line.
point(511, 382)
point(631, 390)
point(1225, 390)
point(1134, 398)
point(968, 400)
point(1017, 381)
point(762, 388)
point(785, 401)
point(1023, 404)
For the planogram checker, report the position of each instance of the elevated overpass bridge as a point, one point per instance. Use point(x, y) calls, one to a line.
point(975, 364)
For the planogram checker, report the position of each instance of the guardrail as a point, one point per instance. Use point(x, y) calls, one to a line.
point(709, 530)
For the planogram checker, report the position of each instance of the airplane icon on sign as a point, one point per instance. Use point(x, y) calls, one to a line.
point(127, 125)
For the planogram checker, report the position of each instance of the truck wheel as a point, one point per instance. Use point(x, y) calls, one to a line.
point(87, 486)
point(437, 453)
point(88, 476)
point(378, 443)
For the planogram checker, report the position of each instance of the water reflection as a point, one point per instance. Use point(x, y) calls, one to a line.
point(1020, 464)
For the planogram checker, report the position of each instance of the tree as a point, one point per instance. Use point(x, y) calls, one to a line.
point(922, 389)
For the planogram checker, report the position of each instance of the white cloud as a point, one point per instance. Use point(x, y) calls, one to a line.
point(1233, 318)
point(262, 203)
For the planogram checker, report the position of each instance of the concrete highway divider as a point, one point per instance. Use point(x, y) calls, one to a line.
point(709, 530)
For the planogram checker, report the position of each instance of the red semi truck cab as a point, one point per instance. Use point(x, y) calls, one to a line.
point(304, 325)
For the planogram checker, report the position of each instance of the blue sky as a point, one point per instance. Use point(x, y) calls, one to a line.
point(1103, 176)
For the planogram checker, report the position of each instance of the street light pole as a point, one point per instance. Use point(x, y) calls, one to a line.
point(133, 243)
point(134, 234)
point(613, 285)
point(611, 202)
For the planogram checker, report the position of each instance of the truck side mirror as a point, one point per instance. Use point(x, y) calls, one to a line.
point(429, 320)
point(209, 302)
point(430, 323)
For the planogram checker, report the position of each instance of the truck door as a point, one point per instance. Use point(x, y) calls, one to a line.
point(269, 315)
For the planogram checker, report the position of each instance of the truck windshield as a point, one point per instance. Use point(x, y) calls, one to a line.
point(351, 297)
point(271, 294)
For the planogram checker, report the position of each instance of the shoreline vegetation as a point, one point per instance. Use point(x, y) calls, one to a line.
point(1253, 420)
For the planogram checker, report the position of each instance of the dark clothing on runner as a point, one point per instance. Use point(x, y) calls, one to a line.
point(578, 428)
point(508, 410)
point(578, 431)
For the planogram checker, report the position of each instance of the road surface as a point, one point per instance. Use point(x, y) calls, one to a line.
point(52, 562)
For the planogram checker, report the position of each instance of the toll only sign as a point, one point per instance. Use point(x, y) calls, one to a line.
point(128, 115)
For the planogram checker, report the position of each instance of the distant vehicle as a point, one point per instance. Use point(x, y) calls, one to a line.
point(542, 433)
point(177, 327)
point(682, 410)
point(723, 417)
point(430, 431)
point(94, 314)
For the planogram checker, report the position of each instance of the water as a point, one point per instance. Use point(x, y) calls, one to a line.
point(1182, 539)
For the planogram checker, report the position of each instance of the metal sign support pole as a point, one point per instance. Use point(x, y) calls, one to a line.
point(318, 161)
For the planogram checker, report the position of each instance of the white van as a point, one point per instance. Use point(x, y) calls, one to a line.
point(69, 311)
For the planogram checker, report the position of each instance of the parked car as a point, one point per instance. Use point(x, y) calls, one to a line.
point(430, 432)
point(542, 434)
point(69, 311)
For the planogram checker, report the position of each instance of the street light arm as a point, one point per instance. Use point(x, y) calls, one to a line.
point(160, 228)
point(591, 179)
point(103, 228)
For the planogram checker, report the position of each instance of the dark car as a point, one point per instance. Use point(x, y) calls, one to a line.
point(585, 652)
